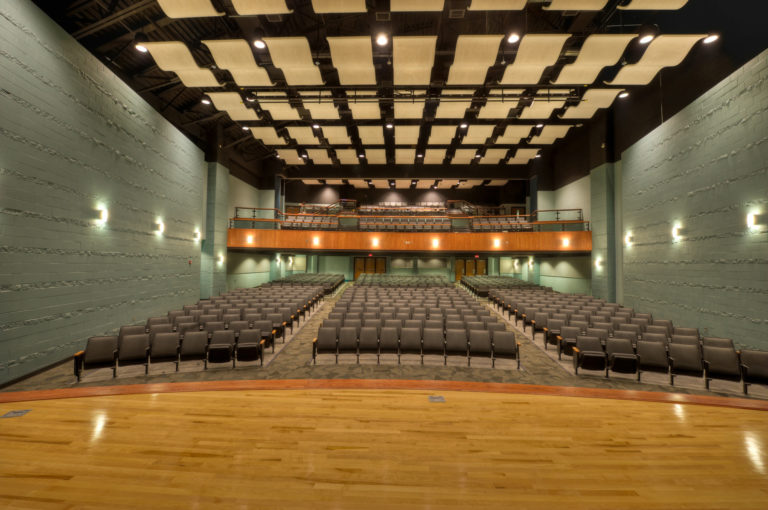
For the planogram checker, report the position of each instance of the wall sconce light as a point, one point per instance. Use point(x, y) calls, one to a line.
point(566, 242)
point(159, 227)
point(375, 242)
point(628, 239)
point(101, 215)
point(221, 258)
point(677, 233)
point(497, 243)
point(249, 239)
point(755, 221)
point(517, 263)
point(290, 261)
point(599, 263)
point(530, 263)
point(198, 235)
point(435, 243)
point(277, 259)
point(315, 241)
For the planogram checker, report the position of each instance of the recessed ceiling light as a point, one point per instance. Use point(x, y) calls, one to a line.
point(138, 42)
point(624, 95)
point(463, 125)
point(361, 156)
point(513, 38)
point(419, 155)
point(382, 39)
point(259, 44)
point(709, 40)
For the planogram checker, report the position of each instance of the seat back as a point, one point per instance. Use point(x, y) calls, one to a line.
point(100, 349)
point(660, 330)
point(721, 362)
point(132, 347)
point(410, 340)
point(389, 339)
point(755, 365)
point(709, 341)
point(156, 329)
point(587, 343)
point(326, 340)
point(456, 341)
point(652, 354)
point(619, 346)
point(570, 332)
point(238, 326)
point(223, 337)
point(479, 342)
point(212, 326)
point(368, 338)
point(686, 332)
point(686, 357)
point(347, 338)
point(131, 330)
point(249, 336)
point(504, 344)
point(164, 345)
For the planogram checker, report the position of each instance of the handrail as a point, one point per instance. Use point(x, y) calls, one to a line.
point(527, 224)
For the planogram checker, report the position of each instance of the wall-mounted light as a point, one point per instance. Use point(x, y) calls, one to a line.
point(249, 239)
point(277, 259)
point(435, 243)
point(756, 221)
point(530, 263)
point(290, 261)
point(497, 243)
point(197, 235)
point(566, 242)
point(315, 241)
point(629, 239)
point(677, 233)
point(101, 215)
point(221, 258)
point(599, 263)
point(516, 263)
point(375, 242)
point(159, 227)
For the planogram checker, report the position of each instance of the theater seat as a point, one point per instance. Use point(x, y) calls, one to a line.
point(754, 368)
point(100, 351)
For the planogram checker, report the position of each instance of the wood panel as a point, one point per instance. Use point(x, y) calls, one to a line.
point(469, 267)
point(459, 269)
point(482, 266)
point(352, 449)
point(453, 242)
point(359, 266)
point(381, 265)
point(370, 265)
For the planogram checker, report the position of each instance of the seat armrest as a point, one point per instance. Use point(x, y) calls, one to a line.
point(576, 350)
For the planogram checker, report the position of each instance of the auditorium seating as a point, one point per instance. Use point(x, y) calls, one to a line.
point(401, 281)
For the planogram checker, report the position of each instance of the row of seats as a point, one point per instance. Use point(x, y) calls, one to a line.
point(401, 281)
point(405, 224)
point(310, 222)
point(501, 224)
point(480, 284)
point(329, 282)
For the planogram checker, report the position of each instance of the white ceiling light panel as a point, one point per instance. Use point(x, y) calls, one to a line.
point(371, 135)
point(347, 156)
point(303, 135)
point(425, 183)
point(514, 134)
point(434, 156)
point(493, 156)
point(416, 5)
point(663, 51)
point(334, 182)
point(405, 156)
point(268, 136)
point(174, 56)
point(473, 56)
point(232, 103)
point(654, 5)
point(470, 183)
point(541, 109)
point(407, 135)
point(576, 5)
point(319, 156)
point(413, 58)
point(536, 53)
point(290, 156)
point(550, 134)
point(255, 7)
point(337, 6)
point(598, 51)
point(336, 135)
point(235, 56)
point(294, 57)
point(312, 182)
point(353, 59)
point(593, 100)
point(188, 8)
point(363, 105)
point(477, 134)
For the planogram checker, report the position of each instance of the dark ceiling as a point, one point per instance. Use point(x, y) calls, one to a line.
point(107, 28)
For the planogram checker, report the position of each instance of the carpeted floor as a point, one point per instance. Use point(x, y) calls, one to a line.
point(293, 360)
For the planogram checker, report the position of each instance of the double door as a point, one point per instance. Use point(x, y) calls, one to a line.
point(370, 265)
point(470, 267)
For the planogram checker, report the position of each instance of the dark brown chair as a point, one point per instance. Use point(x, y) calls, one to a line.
point(100, 351)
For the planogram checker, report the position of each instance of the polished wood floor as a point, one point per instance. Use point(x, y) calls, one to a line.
point(370, 449)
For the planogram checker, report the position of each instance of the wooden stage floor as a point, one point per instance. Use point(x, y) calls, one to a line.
point(382, 446)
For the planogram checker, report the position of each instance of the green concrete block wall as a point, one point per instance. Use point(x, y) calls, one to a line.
point(73, 135)
point(706, 169)
point(213, 270)
point(602, 189)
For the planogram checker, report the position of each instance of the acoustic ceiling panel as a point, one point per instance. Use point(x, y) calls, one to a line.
point(347, 156)
point(501, 101)
point(593, 100)
point(654, 5)
point(463, 156)
point(376, 156)
point(447, 183)
point(576, 5)
point(407, 135)
point(336, 6)
point(452, 109)
point(294, 57)
point(380, 183)
point(353, 59)
point(413, 58)
point(664, 51)
point(523, 156)
point(470, 183)
point(493, 156)
point(319, 156)
point(235, 56)
point(434, 156)
point(477, 134)
point(402, 183)
point(312, 182)
point(598, 51)
point(371, 135)
point(409, 110)
point(473, 56)
point(232, 103)
point(320, 106)
point(497, 5)
point(536, 53)
point(541, 109)
point(442, 135)
point(416, 5)
point(334, 182)
point(290, 156)
point(550, 134)
point(363, 106)
point(174, 56)
point(254, 7)
point(498, 182)
point(405, 156)
point(513, 134)
point(303, 135)
point(358, 183)
point(336, 135)
point(188, 8)
point(268, 136)
point(276, 103)
point(425, 183)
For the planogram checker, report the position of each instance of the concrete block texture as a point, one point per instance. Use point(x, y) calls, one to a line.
point(704, 170)
point(74, 137)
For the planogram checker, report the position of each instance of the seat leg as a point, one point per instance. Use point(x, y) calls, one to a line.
point(114, 370)
point(744, 387)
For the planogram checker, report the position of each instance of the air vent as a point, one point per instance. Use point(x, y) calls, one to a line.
point(456, 13)
point(275, 18)
point(383, 16)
